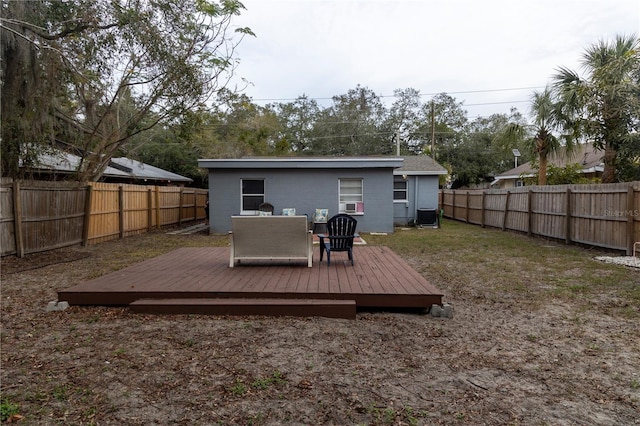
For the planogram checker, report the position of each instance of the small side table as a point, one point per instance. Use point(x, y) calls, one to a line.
point(322, 248)
point(320, 228)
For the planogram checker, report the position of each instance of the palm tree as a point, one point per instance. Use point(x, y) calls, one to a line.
point(605, 105)
point(547, 120)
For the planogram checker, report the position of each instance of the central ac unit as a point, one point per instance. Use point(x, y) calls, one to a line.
point(350, 208)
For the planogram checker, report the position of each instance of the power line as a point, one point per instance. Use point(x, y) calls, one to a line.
point(421, 94)
point(490, 90)
point(498, 103)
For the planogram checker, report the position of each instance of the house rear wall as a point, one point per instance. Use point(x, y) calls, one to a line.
point(422, 194)
point(305, 190)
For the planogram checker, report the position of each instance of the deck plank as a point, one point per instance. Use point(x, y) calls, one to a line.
point(379, 278)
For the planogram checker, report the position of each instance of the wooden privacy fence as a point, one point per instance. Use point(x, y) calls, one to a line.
point(602, 215)
point(37, 216)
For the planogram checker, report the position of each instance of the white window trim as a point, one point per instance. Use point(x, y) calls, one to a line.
point(406, 191)
point(341, 204)
point(264, 197)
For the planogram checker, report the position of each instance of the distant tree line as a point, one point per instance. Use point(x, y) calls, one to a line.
point(149, 81)
point(356, 124)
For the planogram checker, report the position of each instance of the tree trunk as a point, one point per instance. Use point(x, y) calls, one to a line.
point(609, 173)
point(542, 172)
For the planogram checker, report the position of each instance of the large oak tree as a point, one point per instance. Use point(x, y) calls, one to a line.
point(94, 73)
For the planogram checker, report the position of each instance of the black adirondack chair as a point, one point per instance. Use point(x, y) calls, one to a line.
point(341, 230)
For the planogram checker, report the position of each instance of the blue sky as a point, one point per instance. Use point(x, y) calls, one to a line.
point(480, 52)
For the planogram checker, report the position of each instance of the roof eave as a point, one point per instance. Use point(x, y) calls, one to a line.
point(419, 172)
point(298, 162)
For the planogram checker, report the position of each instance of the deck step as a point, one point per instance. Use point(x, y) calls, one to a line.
point(239, 306)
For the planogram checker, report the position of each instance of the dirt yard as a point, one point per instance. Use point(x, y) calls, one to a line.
point(540, 336)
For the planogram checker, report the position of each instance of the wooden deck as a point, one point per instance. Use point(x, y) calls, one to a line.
point(199, 280)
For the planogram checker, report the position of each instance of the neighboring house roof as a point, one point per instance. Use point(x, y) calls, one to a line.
point(146, 171)
point(589, 158)
point(119, 168)
point(420, 165)
point(301, 162)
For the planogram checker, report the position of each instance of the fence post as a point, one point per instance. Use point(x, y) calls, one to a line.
point(529, 211)
point(482, 209)
point(180, 205)
point(453, 202)
point(157, 207)
point(630, 219)
point(17, 219)
point(149, 210)
point(121, 211)
point(466, 219)
point(87, 215)
point(506, 210)
point(567, 231)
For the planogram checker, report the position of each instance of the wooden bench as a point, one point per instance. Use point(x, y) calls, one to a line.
point(260, 238)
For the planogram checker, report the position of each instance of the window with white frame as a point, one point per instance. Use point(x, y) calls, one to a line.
point(351, 199)
point(399, 189)
point(252, 195)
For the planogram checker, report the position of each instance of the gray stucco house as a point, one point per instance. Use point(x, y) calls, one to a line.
point(415, 187)
point(379, 192)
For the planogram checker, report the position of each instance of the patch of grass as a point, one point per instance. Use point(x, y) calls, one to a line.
point(238, 388)
point(90, 412)
point(470, 261)
point(460, 416)
point(94, 274)
point(38, 396)
point(60, 392)
point(261, 383)
point(264, 383)
point(8, 409)
point(255, 419)
point(392, 416)
point(389, 415)
point(85, 394)
point(93, 319)
point(410, 416)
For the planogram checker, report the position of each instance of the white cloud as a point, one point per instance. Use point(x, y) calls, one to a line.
point(325, 48)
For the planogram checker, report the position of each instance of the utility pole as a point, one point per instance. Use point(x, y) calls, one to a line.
point(433, 131)
point(397, 138)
